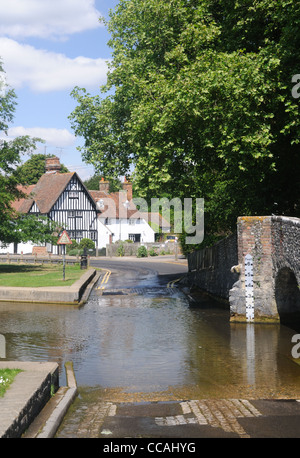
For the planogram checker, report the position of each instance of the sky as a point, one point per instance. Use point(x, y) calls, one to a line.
point(47, 47)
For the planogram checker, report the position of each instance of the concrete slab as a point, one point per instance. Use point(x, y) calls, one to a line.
point(28, 394)
point(62, 294)
point(30, 408)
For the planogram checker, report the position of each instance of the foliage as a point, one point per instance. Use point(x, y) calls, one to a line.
point(142, 252)
point(7, 376)
point(198, 101)
point(120, 248)
point(152, 252)
point(93, 183)
point(31, 171)
point(71, 248)
point(76, 249)
point(87, 243)
point(25, 228)
point(14, 227)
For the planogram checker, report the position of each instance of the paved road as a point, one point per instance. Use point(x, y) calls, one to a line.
point(166, 267)
point(102, 414)
point(202, 418)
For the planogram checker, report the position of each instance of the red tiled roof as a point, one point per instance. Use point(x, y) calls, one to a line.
point(21, 204)
point(112, 205)
point(45, 193)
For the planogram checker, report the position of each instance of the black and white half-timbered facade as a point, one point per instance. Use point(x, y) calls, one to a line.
point(75, 210)
point(64, 199)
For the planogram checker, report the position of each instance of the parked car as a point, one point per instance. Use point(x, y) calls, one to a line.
point(171, 239)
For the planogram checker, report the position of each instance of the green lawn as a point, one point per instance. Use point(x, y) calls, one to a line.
point(6, 378)
point(35, 275)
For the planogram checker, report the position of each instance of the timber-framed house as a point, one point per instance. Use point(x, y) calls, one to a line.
point(64, 199)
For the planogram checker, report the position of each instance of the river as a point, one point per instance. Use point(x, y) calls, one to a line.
point(141, 337)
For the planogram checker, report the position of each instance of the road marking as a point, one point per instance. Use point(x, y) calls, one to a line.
point(221, 413)
point(104, 281)
point(172, 282)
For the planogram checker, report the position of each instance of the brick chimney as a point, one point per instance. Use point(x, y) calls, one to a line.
point(52, 164)
point(103, 185)
point(127, 186)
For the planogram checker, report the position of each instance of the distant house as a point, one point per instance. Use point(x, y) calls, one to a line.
point(158, 223)
point(101, 216)
point(118, 217)
point(64, 199)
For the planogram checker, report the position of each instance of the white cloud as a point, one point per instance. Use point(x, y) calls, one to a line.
point(54, 137)
point(47, 18)
point(44, 71)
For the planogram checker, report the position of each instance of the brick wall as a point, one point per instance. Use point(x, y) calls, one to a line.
point(210, 268)
point(255, 238)
point(274, 244)
point(39, 250)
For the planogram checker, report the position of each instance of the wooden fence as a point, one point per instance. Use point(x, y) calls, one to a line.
point(36, 259)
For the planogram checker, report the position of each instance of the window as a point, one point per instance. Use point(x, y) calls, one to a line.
point(135, 237)
point(75, 234)
point(93, 236)
point(73, 194)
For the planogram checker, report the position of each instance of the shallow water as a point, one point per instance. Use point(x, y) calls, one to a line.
point(151, 339)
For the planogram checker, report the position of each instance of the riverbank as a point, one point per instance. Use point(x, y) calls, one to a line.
point(34, 405)
point(75, 294)
point(38, 275)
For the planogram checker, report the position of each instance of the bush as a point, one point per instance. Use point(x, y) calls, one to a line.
point(87, 243)
point(152, 252)
point(74, 252)
point(142, 252)
point(72, 247)
point(121, 248)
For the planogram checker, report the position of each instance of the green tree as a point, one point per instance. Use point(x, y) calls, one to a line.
point(93, 183)
point(198, 101)
point(31, 171)
point(14, 227)
point(86, 243)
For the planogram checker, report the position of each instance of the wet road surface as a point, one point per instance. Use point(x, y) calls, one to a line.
point(151, 363)
point(151, 390)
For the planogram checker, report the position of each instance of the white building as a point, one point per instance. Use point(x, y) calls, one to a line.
point(101, 216)
point(118, 217)
point(63, 198)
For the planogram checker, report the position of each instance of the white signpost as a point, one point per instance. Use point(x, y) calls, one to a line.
point(64, 240)
point(249, 287)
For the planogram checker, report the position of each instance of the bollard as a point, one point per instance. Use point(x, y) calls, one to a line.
point(83, 260)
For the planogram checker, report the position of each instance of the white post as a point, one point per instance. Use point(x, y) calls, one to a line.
point(249, 287)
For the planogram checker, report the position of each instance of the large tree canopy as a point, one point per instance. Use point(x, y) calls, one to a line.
point(198, 100)
point(31, 171)
point(13, 227)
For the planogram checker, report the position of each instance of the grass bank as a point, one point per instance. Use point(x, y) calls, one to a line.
point(6, 378)
point(35, 275)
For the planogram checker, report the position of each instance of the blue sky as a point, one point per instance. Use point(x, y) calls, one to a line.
point(47, 47)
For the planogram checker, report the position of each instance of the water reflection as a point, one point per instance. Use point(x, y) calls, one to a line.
point(151, 342)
